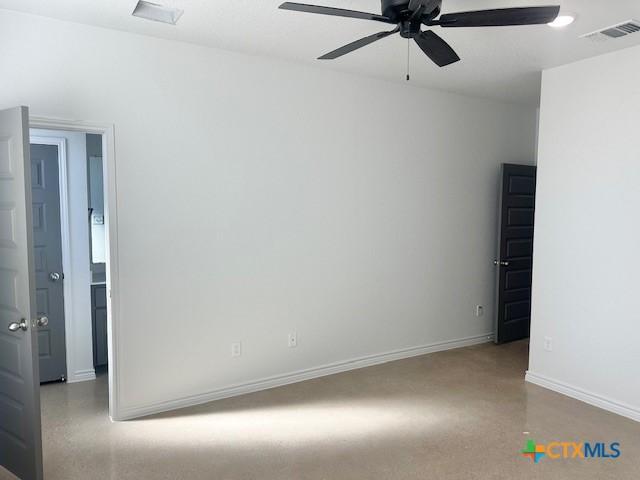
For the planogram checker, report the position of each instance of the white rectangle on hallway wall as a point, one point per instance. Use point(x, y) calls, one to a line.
point(268, 194)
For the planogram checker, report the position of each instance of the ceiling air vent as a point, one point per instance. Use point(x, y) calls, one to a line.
point(157, 13)
point(616, 31)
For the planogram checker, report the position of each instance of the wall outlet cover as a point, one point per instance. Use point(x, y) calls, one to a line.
point(236, 349)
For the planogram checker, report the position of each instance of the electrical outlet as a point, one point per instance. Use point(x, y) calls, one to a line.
point(548, 344)
point(479, 310)
point(292, 340)
point(236, 349)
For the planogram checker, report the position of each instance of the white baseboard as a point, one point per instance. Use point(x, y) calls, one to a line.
point(280, 380)
point(82, 376)
point(584, 396)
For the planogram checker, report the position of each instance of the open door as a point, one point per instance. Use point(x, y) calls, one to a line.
point(20, 435)
point(515, 261)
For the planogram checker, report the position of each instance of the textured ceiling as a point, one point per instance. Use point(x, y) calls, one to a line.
point(502, 63)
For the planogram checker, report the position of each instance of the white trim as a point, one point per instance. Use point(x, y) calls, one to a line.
point(82, 376)
point(299, 376)
point(584, 396)
point(111, 226)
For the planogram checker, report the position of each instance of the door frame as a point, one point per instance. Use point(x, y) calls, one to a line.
point(111, 223)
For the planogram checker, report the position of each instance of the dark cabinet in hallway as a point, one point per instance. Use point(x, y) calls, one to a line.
point(99, 319)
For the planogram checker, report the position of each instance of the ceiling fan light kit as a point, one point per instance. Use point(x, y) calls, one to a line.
point(410, 16)
point(563, 20)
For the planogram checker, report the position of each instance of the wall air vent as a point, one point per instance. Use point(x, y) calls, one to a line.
point(616, 31)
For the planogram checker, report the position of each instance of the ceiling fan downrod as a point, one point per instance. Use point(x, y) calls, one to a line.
point(408, 46)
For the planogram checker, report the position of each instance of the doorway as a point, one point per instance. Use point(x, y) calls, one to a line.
point(93, 204)
point(69, 253)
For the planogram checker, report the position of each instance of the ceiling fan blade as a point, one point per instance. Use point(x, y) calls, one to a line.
point(338, 12)
point(436, 48)
point(500, 17)
point(363, 42)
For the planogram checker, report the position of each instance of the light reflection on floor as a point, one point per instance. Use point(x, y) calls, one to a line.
point(292, 424)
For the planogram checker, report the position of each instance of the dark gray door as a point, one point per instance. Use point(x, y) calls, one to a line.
point(516, 252)
point(20, 435)
point(47, 241)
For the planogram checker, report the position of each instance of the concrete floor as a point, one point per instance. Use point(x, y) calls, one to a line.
point(460, 414)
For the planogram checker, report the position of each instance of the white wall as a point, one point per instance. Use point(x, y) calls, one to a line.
point(257, 197)
point(586, 261)
point(79, 341)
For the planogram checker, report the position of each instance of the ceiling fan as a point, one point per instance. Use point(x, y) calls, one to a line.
point(410, 15)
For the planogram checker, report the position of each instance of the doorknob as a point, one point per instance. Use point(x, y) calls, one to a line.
point(500, 263)
point(42, 321)
point(54, 276)
point(15, 326)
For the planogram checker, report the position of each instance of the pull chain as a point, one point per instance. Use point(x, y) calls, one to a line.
point(408, 44)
